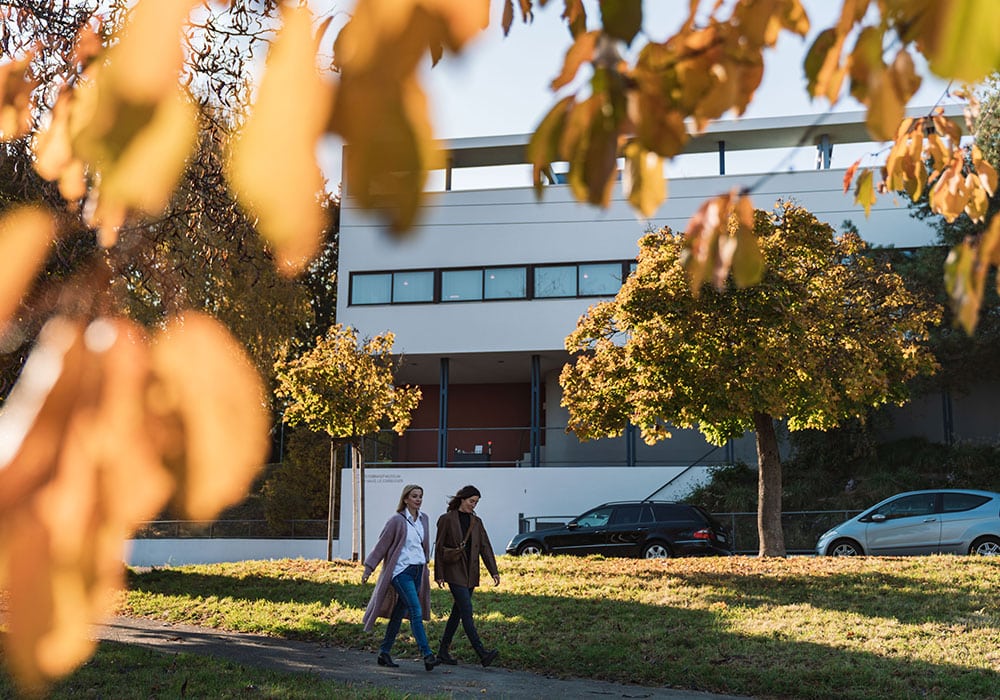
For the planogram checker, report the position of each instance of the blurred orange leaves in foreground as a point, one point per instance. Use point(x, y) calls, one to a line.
point(105, 426)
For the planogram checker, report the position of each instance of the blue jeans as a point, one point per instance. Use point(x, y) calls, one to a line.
point(461, 610)
point(407, 583)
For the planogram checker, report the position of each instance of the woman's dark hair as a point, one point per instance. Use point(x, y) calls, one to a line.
point(463, 493)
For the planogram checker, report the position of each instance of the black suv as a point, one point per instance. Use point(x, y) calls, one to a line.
point(649, 529)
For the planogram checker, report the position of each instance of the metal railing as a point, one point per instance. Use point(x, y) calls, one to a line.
point(235, 529)
point(801, 528)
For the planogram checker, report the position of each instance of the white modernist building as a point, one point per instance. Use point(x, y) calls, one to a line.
point(484, 290)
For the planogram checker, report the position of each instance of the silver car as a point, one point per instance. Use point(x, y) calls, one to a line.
point(936, 521)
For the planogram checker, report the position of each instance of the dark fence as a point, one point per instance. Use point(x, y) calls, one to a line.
point(236, 529)
point(801, 528)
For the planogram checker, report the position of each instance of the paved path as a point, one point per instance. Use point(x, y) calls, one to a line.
point(358, 668)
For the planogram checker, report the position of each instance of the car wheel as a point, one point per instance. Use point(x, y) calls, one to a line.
point(845, 548)
point(529, 547)
point(656, 550)
point(986, 546)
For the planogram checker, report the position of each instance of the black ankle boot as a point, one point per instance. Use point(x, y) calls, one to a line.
point(446, 658)
point(488, 656)
point(430, 661)
point(386, 660)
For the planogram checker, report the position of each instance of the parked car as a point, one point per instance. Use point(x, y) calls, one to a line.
point(945, 521)
point(650, 529)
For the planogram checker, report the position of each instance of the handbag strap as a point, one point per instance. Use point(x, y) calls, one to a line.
point(467, 533)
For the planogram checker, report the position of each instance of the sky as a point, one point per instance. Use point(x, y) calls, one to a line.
point(500, 85)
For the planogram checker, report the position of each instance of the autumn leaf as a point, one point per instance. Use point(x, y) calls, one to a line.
point(218, 409)
point(129, 121)
point(582, 51)
point(284, 194)
point(643, 182)
point(78, 475)
point(26, 233)
point(747, 260)
point(864, 191)
point(961, 39)
point(381, 110)
point(849, 174)
point(16, 85)
point(718, 236)
point(960, 282)
point(544, 145)
point(985, 172)
point(622, 19)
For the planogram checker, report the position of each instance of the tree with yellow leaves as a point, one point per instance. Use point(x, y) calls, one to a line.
point(825, 335)
point(346, 391)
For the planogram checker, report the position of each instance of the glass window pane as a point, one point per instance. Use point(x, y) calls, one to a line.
point(412, 286)
point(555, 281)
point(371, 289)
point(506, 283)
point(604, 279)
point(957, 502)
point(458, 285)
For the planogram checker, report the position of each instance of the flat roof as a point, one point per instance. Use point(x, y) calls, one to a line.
point(736, 134)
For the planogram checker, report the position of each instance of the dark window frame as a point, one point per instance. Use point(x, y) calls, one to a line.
point(627, 267)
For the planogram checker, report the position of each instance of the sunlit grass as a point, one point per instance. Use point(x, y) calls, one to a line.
point(801, 627)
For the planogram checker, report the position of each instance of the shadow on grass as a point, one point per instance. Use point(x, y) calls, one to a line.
point(875, 594)
point(659, 645)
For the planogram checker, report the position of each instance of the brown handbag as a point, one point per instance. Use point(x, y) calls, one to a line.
point(452, 555)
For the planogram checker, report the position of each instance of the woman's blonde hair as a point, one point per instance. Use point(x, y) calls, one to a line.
point(406, 492)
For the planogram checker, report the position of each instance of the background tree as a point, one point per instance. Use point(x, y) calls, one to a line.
point(291, 490)
point(825, 335)
point(347, 392)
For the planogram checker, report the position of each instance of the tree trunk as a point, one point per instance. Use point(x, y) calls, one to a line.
point(332, 501)
point(772, 538)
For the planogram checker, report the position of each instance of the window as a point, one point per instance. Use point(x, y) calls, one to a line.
point(908, 506)
point(555, 281)
point(412, 286)
point(488, 283)
point(506, 283)
point(371, 288)
point(461, 285)
point(957, 502)
point(666, 512)
point(595, 518)
point(626, 515)
point(600, 279)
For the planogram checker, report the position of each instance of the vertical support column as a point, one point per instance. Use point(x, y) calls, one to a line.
point(629, 444)
point(730, 452)
point(948, 417)
point(824, 152)
point(536, 410)
point(447, 174)
point(443, 415)
point(722, 157)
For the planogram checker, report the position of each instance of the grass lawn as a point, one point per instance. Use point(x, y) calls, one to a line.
point(802, 627)
point(123, 672)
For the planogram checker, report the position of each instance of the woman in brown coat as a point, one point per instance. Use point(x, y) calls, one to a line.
point(461, 541)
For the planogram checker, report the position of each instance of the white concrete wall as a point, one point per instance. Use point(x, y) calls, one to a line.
point(509, 491)
point(178, 552)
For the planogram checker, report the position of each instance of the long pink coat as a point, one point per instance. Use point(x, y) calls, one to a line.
point(387, 549)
